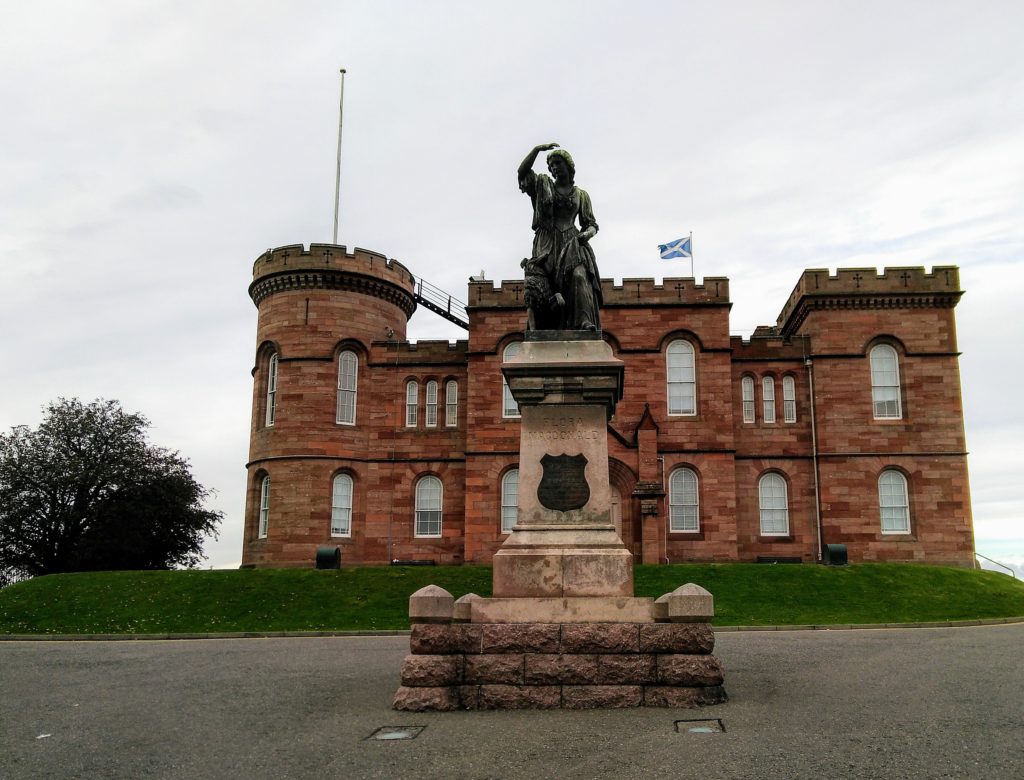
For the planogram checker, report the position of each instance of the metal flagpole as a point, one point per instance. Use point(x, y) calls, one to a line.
point(337, 177)
point(691, 256)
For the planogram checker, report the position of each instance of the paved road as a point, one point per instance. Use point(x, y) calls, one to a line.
point(925, 703)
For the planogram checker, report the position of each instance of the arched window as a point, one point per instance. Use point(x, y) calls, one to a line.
point(509, 500)
point(788, 399)
point(893, 502)
point(509, 407)
point(683, 515)
point(682, 383)
point(412, 391)
point(271, 389)
point(348, 367)
point(341, 506)
point(885, 383)
point(747, 385)
point(774, 504)
point(768, 398)
point(428, 507)
point(431, 406)
point(451, 403)
point(264, 508)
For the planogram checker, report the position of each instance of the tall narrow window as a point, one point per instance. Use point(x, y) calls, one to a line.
point(428, 507)
point(264, 507)
point(885, 383)
point(509, 500)
point(451, 403)
point(747, 385)
point(509, 407)
point(789, 399)
point(341, 506)
point(768, 398)
point(682, 385)
point(412, 391)
point(431, 406)
point(682, 502)
point(774, 505)
point(348, 365)
point(272, 389)
point(893, 502)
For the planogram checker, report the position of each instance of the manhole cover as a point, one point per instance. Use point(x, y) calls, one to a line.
point(700, 726)
point(397, 732)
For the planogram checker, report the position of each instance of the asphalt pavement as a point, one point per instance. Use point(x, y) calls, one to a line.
point(925, 703)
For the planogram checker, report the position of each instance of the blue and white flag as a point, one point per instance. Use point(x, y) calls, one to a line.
point(678, 248)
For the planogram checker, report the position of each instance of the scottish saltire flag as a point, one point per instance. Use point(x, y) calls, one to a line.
point(678, 248)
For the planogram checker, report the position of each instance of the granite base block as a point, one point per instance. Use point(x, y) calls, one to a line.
point(550, 666)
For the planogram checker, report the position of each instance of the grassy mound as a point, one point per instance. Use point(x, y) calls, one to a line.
point(377, 598)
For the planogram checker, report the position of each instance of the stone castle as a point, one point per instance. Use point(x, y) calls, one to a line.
point(841, 424)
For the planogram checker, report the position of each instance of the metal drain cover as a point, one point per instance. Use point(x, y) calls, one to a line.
point(700, 726)
point(397, 732)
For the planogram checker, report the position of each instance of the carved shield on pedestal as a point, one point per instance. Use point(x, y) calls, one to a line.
point(563, 486)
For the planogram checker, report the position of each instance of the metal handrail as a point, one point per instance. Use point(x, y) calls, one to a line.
point(440, 302)
point(997, 563)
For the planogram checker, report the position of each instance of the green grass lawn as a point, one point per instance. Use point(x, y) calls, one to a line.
point(377, 598)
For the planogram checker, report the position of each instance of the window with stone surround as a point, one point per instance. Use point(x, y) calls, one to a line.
point(683, 514)
point(747, 387)
point(428, 506)
point(768, 398)
point(682, 381)
point(451, 403)
point(788, 399)
point(509, 500)
point(412, 392)
point(885, 383)
point(348, 366)
point(341, 506)
point(509, 407)
point(773, 501)
point(264, 508)
point(431, 404)
point(893, 502)
point(271, 389)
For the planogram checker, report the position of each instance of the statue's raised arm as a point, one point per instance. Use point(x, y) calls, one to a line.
point(562, 282)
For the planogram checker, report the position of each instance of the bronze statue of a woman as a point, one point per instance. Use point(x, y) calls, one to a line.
point(561, 252)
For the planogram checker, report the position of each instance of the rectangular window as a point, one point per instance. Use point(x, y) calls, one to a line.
point(509, 500)
point(412, 390)
point(271, 389)
point(789, 399)
point(264, 508)
point(428, 507)
point(347, 366)
point(747, 384)
point(431, 421)
point(768, 398)
point(451, 404)
point(341, 506)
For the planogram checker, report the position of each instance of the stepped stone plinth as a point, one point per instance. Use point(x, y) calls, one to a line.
point(563, 628)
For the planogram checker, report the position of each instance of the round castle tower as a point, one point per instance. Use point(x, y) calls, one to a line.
point(319, 313)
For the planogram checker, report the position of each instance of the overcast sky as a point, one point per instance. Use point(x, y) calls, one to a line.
point(150, 151)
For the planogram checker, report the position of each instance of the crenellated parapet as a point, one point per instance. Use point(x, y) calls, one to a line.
point(866, 288)
point(332, 267)
point(434, 352)
point(631, 292)
point(768, 346)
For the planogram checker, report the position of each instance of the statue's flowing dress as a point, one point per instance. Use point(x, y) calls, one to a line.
point(561, 250)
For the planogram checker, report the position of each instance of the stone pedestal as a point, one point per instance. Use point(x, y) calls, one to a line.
point(564, 543)
point(563, 628)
